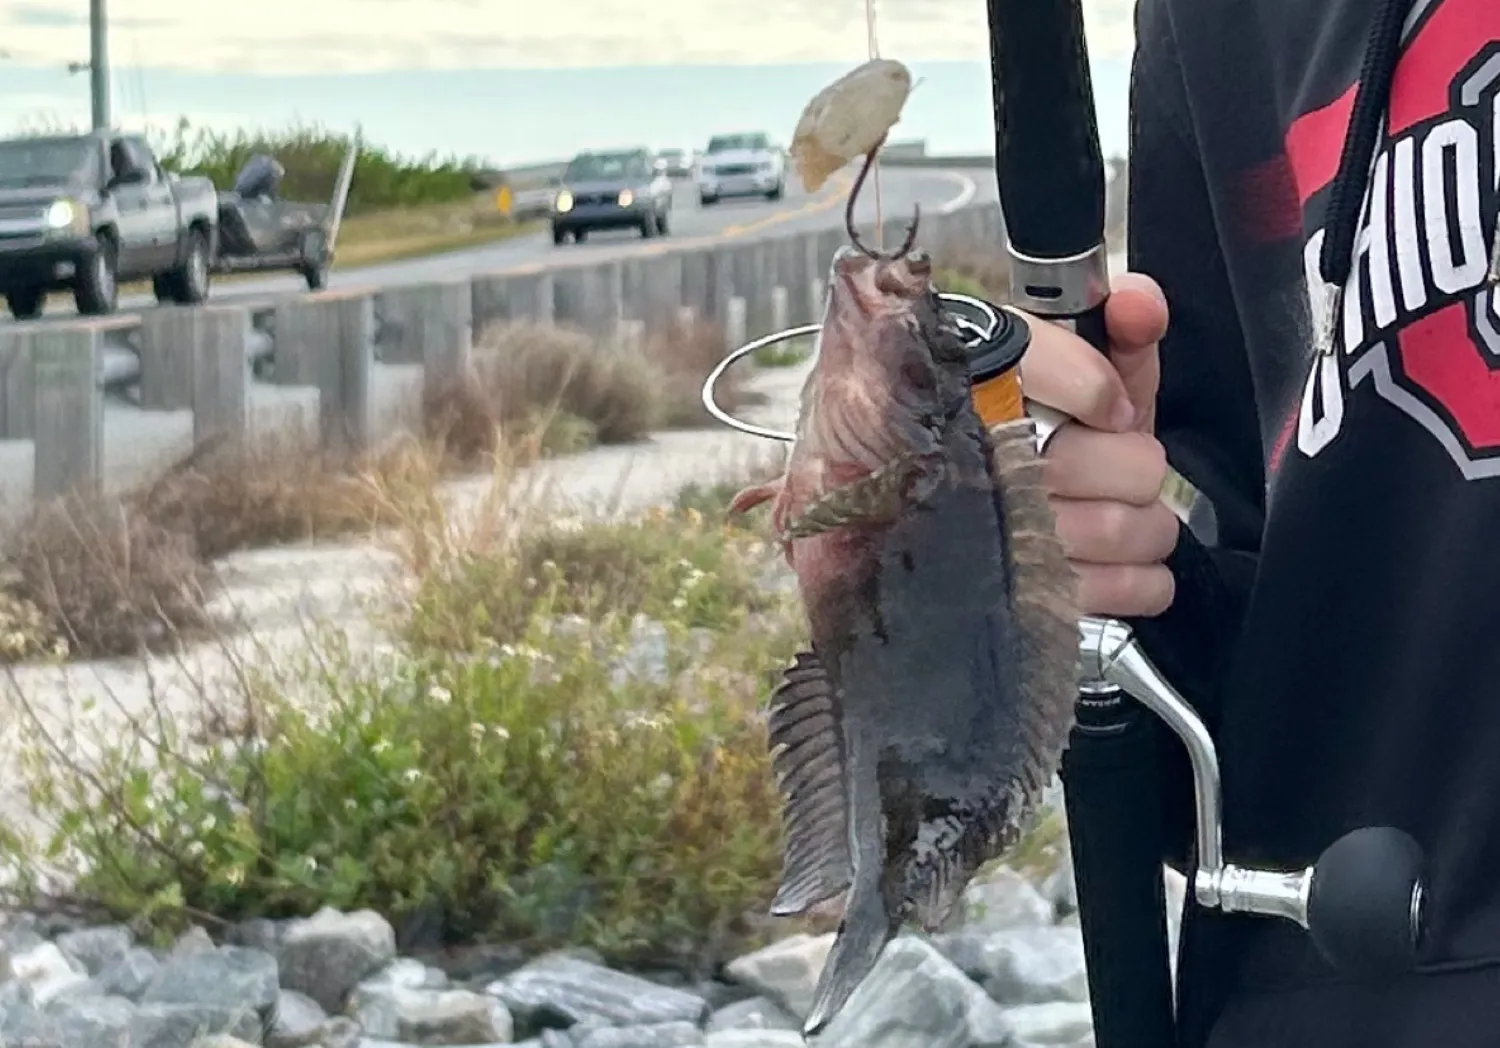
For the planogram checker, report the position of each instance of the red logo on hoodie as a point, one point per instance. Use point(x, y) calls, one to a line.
point(1420, 318)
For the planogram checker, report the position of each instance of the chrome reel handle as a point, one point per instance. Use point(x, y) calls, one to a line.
point(1361, 902)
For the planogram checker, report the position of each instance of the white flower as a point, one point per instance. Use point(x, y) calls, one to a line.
point(208, 823)
point(350, 804)
point(438, 693)
point(381, 746)
point(411, 774)
point(195, 849)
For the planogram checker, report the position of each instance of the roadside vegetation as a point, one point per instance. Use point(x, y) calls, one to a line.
point(556, 738)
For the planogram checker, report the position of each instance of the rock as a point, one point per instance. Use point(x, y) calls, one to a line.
point(754, 1039)
point(916, 998)
point(299, 1021)
point(654, 1035)
point(193, 941)
point(47, 971)
point(451, 1017)
point(104, 1022)
point(258, 933)
point(756, 1013)
point(1054, 1023)
point(236, 984)
point(328, 954)
point(786, 971)
point(1000, 901)
point(168, 1025)
point(1023, 966)
point(95, 949)
point(341, 1032)
point(221, 1041)
point(129, 976)
point(375, 1002)
point(558, 990)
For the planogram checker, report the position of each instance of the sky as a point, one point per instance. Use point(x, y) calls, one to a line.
point(512, 81)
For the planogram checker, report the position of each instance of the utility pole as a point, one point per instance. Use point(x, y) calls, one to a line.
point(99, 63)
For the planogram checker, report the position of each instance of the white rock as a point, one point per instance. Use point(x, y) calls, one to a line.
point(786, 971)
point(1054, 1023)
point(47, 971)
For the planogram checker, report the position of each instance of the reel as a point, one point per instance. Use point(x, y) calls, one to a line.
point(1361, 902)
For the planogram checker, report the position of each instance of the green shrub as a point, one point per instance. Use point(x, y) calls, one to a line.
point(312, 155)
point(538, 794)
point(679, 566)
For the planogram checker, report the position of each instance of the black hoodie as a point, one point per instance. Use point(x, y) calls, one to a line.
point(1341, 630)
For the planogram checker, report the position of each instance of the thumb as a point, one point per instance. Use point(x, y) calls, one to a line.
point(1136, 318)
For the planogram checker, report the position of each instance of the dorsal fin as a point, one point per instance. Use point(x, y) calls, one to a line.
point(1043, 599)
point(807, 757)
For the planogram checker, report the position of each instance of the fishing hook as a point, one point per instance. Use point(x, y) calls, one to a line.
point(859, 182)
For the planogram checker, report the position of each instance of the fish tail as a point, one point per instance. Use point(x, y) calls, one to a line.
point(865, 931)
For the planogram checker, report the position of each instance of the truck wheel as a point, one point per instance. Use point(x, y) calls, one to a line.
point(187, 284)
point(26, 303)
point(96, 290)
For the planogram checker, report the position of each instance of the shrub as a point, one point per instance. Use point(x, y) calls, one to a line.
point(275, 491)
point(531, 371)
point(97, 573)
point(312, 155)
point(969, 269)
point(666, 565)
point(602, 783)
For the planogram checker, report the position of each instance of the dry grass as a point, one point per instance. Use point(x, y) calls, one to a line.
point(103, 578)
point(272, 492)
point(549, 389)
point(389, 236)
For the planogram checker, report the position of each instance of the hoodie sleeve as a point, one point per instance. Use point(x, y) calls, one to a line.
point(1206, 413)
point(1206, 410)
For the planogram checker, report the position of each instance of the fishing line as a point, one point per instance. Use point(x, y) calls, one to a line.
point(872, 41)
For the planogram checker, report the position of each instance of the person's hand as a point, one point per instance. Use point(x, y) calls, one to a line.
point(1105, 471)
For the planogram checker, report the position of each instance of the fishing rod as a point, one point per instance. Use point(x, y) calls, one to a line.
point(1361, 903)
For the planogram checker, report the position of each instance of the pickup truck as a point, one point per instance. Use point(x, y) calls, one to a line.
point(83, 212)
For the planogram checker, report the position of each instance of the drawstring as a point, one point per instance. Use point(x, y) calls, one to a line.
point(1347, 195)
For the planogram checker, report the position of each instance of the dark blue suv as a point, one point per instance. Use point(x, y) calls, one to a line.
point(612, 191)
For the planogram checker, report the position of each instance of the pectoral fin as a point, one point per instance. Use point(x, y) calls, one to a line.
point(807, 757)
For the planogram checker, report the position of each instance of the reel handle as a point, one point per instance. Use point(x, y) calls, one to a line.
point(1361, 902)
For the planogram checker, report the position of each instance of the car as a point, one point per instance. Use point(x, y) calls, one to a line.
point(678, 163)
point(611, 190)
point(86, 212)
point(744, 164)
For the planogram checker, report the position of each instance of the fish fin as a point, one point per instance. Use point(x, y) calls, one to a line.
point(1043, 598)
point(877, 496)
point(866, 930)
point(807, 748)
point(748, 498)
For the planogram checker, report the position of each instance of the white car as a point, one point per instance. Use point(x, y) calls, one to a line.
point(744, 164)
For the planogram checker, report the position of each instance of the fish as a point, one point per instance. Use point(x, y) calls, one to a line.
point(913, 736)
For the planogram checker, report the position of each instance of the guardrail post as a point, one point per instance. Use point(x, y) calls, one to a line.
point(501, 297)
point(588, 297)
point(812, 284)
point(428, 324)
point(327, 340)
point(199, 359)
point(17, 400)
point(68, 424)
point(780, 310)
point(734, 323)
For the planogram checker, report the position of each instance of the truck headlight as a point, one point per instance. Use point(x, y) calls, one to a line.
point(61, 215)
point(626, 198)
point(564, 201)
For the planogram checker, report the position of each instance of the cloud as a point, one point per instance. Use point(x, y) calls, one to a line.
point(289, 37)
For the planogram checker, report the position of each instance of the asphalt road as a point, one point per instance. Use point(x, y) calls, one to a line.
point(900, 190)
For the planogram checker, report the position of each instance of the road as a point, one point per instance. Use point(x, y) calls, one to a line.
point(901, 189)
